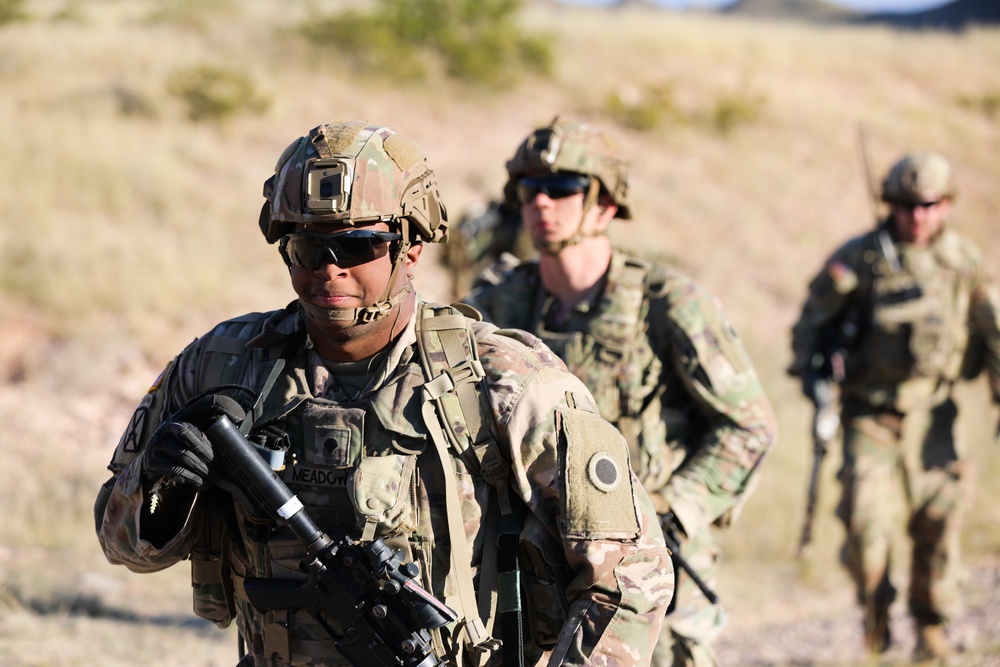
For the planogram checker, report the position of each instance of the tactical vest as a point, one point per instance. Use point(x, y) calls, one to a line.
point(914, 340)
point(617, 356)
point(352, 465)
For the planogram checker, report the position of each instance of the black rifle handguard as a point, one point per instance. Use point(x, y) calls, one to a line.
point(672, 539)
point(364, 595)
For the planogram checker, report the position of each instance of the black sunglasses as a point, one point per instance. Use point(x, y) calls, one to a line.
point(909, 206)
point(556, 186)
point(353, 248)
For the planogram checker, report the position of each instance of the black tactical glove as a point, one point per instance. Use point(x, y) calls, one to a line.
point(179, 452)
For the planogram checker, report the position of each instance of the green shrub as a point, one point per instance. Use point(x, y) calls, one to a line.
point(987, 104)
point(645, 110)
point(191, 13)
point(732, 110)
point(11, 11)
point(470, 40)
point(215, 93)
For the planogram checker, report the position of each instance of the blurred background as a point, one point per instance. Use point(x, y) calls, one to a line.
point(135, 136)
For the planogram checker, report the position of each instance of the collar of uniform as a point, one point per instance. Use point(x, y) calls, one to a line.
point(279, 326)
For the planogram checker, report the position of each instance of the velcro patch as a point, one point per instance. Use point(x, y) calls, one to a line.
point(599, 501)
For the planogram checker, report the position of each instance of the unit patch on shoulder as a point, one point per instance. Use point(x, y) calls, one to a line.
point(844, 279)
point(159, 378)
point(604, 472)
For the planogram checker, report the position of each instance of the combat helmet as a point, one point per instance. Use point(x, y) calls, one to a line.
point(918, 178)
point(347, 174)
point(568, 145)
point(351, 172)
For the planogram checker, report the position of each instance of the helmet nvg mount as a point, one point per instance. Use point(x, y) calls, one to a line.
point(355, 173)
point(918, 178)
point(349, 173)
point(567, 145)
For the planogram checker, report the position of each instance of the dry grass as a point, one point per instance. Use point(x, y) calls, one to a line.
point(125, 229)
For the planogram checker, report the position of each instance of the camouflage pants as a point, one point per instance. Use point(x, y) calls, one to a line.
point(902, 467)
point(694, 623)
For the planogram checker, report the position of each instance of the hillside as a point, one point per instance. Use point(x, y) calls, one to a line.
point(957, 15)
point(805, 10)
point(128, 227)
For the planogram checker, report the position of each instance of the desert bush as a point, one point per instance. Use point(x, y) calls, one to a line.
point(472, 40)
point(987, 103)
point(645, 109)
point(190, 13)
point(731, 110)
point(215, 93)
point(11, 11)
point(653, 106)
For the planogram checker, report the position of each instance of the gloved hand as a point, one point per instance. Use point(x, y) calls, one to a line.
point(179, 452)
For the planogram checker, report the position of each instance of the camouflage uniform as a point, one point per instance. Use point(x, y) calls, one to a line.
point(911, 310)
point(594, 568)
point(667, 369)
point(484, 236)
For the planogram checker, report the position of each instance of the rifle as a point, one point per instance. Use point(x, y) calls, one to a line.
point(669, 524)
point(825, 423)
point(363, 595)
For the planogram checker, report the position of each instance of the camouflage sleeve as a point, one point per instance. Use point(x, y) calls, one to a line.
point(120, 502)
point(484, 287)
point(830, 293)
point(722, 466)
point(984, 313)
point(571, 468)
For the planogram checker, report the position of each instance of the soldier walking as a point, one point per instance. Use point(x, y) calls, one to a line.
point(470, 452)
point(901, 314)
point(656, 350)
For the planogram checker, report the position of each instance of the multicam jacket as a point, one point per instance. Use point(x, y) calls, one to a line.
point(921, 318)
point(594, 568)
point(666, 368)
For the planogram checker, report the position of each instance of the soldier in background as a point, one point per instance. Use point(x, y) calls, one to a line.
point(398, 420)
point(905, 311)
point(487, 235)
point(655, 349)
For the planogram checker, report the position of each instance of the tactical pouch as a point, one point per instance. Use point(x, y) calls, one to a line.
point(380, 489)
point(211, 581)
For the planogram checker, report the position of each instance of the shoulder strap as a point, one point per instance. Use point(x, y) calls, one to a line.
point(454, 376)
point(459, 418)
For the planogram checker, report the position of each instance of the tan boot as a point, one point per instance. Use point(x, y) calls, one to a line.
point(877, 633)
point(932, 643)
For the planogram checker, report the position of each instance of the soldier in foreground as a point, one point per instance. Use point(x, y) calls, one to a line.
point(655, 349)
point(899, 315)
point(402, 425)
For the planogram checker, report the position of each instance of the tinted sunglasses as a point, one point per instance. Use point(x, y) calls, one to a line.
point(353, 248)
point(909, 206)
point(556, 186)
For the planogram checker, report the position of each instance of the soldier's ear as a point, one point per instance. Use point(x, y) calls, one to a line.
point(412, 257)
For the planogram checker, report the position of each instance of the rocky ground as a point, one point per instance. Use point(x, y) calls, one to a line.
point(823, 628)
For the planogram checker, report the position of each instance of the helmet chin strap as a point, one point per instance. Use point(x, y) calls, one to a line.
point(382, 306)
point(555, 247)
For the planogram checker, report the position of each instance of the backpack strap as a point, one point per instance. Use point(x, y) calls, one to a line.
point(454, 374)
point(460, 421)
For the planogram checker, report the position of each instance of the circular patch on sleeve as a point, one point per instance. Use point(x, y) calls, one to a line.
point(604, 472)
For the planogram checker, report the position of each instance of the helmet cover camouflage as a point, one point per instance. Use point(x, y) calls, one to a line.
point(918, 178)
point(567, 145)
point(349, 173)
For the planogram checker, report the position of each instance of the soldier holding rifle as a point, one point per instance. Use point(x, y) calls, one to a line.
point(897, 316)
point(420, 453)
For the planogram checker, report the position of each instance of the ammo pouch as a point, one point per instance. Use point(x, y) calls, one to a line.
point(211, 581)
